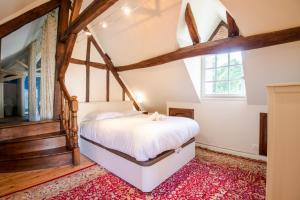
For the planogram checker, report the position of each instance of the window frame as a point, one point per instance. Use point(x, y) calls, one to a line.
point(221, 96)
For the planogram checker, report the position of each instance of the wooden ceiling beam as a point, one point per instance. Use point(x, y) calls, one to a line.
point(22, 64)
point(75, 9)
point(219, 46)
point(27, 17)
point(96, 8)
point(191, 24)
point(92, 64)
point(233, 29)
point(10, 78)
point(114, 72)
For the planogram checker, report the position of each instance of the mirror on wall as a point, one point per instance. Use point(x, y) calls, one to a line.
point(27, 71)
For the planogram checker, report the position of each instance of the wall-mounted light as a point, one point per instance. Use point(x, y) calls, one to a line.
point(88, 33)
point(140, 98)
point(126, 10)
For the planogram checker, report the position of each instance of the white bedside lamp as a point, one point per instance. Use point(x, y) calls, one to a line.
point(140, 99)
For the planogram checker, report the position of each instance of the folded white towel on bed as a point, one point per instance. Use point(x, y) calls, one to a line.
point(155, 116)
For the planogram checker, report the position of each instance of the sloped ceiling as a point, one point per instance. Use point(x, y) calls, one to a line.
point(14, 44)
point(20, 39)
point(260, 16)
point(10, 9)
point(149, 31)
point(12, 6)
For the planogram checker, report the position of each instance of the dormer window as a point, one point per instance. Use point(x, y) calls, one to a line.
point(223, 75)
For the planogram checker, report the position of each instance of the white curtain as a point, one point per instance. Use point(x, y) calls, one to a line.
point(33, 112)
point(48, 49)
point(1, 100)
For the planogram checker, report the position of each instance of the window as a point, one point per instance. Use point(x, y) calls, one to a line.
point(223, 75)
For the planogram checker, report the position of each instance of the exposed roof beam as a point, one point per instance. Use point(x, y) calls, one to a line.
point(219, 46)
point(96, 8)
point(10, 78)
point(191, 24)
point(92, 64)
point(22, 64)
point(75, 9)
point(27, 17)
point(233, 29)
point(114, 72)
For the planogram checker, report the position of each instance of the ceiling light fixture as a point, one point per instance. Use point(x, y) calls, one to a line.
point(104, 25)
point(126, 10)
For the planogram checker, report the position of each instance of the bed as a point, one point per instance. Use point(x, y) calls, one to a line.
point(133, 146)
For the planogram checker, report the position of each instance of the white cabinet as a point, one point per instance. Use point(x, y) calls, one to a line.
point(283, 166)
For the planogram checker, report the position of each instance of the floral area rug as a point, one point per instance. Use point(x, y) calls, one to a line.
point(210, 176)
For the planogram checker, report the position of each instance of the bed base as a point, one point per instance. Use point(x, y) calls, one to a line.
point(145, 178)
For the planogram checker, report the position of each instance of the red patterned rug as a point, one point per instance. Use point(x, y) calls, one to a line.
point(209, 176)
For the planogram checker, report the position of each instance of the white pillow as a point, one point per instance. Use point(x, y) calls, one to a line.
point(102, 116)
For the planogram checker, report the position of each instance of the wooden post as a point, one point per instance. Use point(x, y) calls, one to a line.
point(60, 51)
point(123, 95)
point(67, 124)
point(87, 70)
point(107, 84)
point(74, 129)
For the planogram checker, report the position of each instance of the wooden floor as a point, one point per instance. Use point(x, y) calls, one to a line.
point(11, 182)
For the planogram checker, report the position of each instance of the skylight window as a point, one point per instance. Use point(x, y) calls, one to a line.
point(222, 75)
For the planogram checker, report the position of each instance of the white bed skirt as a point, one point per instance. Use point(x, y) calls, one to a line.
point(145, 178)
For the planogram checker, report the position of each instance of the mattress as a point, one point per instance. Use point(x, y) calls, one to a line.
point(138, 136)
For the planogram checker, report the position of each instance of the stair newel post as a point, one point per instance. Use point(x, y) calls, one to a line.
point(62, 114)
point(74, 130)
point(68, 124)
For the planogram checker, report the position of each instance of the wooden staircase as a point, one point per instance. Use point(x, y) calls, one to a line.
point(33, 146)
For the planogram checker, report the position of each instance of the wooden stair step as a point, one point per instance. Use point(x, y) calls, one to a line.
point(33, 143)
point(36, 160)
point(34, 154)
point(28, 129)
point(34, 137)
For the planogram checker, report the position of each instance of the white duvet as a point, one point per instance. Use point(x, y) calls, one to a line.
point(139, 136)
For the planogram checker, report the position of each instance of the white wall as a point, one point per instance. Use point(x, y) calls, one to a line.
point(159, 84)
point(276, 64)
point(227, 125)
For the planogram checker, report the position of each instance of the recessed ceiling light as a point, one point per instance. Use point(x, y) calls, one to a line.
point(126, 10)
point(104, 25)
